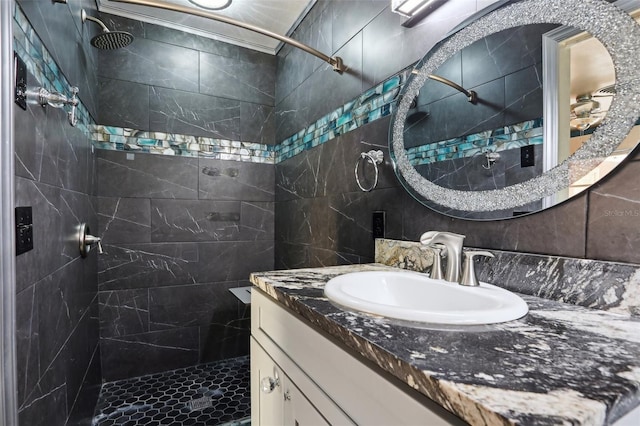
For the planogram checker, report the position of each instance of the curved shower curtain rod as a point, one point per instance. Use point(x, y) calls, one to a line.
point(335, 62)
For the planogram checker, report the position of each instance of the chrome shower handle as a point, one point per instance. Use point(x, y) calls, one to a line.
point(87, 240)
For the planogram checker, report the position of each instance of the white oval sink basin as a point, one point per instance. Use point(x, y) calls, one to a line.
point(412, 296)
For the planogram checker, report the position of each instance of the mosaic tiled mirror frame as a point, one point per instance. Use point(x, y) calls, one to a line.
point(613, 27)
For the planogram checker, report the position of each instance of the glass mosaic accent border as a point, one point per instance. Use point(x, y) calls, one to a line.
point(372, 105)
point(39, 62)
point(501, 139)
point(123, 139)
point(377, 102)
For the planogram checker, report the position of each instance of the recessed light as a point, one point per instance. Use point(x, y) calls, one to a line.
point(407, 8)
point(212, 4)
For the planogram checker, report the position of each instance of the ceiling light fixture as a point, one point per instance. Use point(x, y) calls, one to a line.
point(408, 8)
point(212, 4)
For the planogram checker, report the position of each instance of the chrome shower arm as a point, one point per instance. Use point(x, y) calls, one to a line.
point(335, 62)
point(96, 20)
point(471, 95)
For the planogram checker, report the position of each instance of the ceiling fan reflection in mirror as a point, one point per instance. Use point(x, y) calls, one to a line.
point(587, 112)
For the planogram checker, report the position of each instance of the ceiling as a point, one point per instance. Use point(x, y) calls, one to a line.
point(279, 16)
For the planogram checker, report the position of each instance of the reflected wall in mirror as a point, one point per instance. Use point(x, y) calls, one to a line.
point(519, 147)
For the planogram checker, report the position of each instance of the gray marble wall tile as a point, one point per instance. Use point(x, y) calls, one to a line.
point(459, 117)
point(614, 217)
point(257, 221)
point(191, 41)
point(198, 220)
point(240, 259)
point(56, 215)
point(147, 265)
point(122, 220)
point(81, 413)
point(306, 221)
point(257, 123)
point(136, 28)
point(294, 256)
point(503, 53)
point(523, 95)
point(389, 47)
point(61, 379)
point(78, 357)
point(349, 17)
point(557, 231)
point(176, 111)
point(250, 81)
point(57, 28)
point(27, 342)
point(514, 172)
point(433, 90)
point(329, 89)
point(300, 176)
point(292, 114)
point(230, 180)
point(205, 220)
point(186, 306)
point(329, 168)
point(53, 403)
point(227, 338)
point(293, 65)
point(146, 175)
point(156, 64)
point(56, 333)
point(63, 298)
point(123, 104)
point(65, 153)
point(123, 312)
point(338, 163)
point(29, 139)
point(140, 354)
point(353, 214)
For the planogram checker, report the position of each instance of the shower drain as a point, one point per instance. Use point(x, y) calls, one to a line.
point(200, 403)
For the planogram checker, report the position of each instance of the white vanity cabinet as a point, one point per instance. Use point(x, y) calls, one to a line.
point(300, 377)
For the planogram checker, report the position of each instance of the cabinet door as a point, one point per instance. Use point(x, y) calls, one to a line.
point(267, 400)
point(298, 411)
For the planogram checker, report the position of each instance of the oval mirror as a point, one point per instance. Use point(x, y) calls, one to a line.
point(521, 108)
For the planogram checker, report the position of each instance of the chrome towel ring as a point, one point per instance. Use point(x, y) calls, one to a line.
point(374, 157)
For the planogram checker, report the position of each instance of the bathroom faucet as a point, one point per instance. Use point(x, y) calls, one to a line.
point(453, 245)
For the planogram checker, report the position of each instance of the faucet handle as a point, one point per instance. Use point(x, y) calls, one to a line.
point(436, 268)
point(469, 277)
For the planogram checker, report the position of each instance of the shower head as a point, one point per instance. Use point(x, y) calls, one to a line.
point(112, 40)
point(108, 40)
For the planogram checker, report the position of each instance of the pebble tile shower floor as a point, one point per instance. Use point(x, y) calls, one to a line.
point(209, 394)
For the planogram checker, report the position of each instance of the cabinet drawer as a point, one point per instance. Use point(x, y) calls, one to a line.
point(362, 393)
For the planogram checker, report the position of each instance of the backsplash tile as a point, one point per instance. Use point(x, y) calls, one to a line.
point(609, 286)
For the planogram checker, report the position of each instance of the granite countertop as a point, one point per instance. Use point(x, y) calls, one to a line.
point(560, 364)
